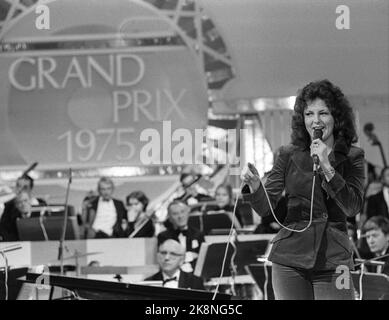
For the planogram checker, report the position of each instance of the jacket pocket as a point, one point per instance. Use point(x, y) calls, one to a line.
point(341, 238)
point(283, 233)
point(339, 249)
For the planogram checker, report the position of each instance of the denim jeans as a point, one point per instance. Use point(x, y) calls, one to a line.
point(291, 283)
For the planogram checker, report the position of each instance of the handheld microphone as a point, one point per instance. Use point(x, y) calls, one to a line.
point(317, 134)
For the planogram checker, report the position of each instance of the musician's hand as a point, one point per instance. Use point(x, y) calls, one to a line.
point(250, 176)
point(319, 148)
point(275, 226)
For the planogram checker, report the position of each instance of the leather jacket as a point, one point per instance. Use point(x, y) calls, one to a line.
point(325, 244)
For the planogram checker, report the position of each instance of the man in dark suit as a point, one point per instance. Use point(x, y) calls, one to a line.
point(178, 229)
point(378, 204)
point(170, 257)
point(8, 229)
point(105, 216)
point(20, 210)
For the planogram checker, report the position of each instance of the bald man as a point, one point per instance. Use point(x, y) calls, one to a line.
point(170, 257)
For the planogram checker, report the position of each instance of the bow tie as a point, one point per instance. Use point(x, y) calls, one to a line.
point(169, 279)
point(183, 232)
point(106, 200)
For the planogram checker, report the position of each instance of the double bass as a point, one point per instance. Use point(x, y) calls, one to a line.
point(368, 129)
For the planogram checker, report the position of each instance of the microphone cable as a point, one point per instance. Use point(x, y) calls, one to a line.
point(318, 134)
point(227, 245)
point(275, 217)
point(310, 213)
point(233, 267)
point(360, 281)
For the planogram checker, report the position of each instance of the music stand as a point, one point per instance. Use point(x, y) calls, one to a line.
point(30, 229)
point(262, 278)
point(47, 228)
point(370, 264)
point(375, 286)
point(212, 220)
point(210, 259)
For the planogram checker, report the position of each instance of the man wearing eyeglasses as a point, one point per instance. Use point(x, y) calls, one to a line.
point(170, 257)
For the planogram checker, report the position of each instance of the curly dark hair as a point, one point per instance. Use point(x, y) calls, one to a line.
point(336, 102)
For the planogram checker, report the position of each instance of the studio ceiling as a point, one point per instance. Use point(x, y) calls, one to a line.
point(277, 46)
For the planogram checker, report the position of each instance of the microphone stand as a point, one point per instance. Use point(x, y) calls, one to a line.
point(65, 220)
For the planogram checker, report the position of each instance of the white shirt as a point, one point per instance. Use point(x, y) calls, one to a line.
point(172, 283)
point(105, 216)
point(182, 240)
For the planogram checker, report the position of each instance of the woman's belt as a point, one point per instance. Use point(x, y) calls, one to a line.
point(297, 214)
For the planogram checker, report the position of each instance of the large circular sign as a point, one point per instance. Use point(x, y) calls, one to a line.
point(68, 105)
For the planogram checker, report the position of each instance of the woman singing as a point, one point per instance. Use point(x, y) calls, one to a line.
point(313, 242)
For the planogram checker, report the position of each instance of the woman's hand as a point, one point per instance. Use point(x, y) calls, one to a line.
point(250, 176)
point(319, 148)
point(132, 214)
